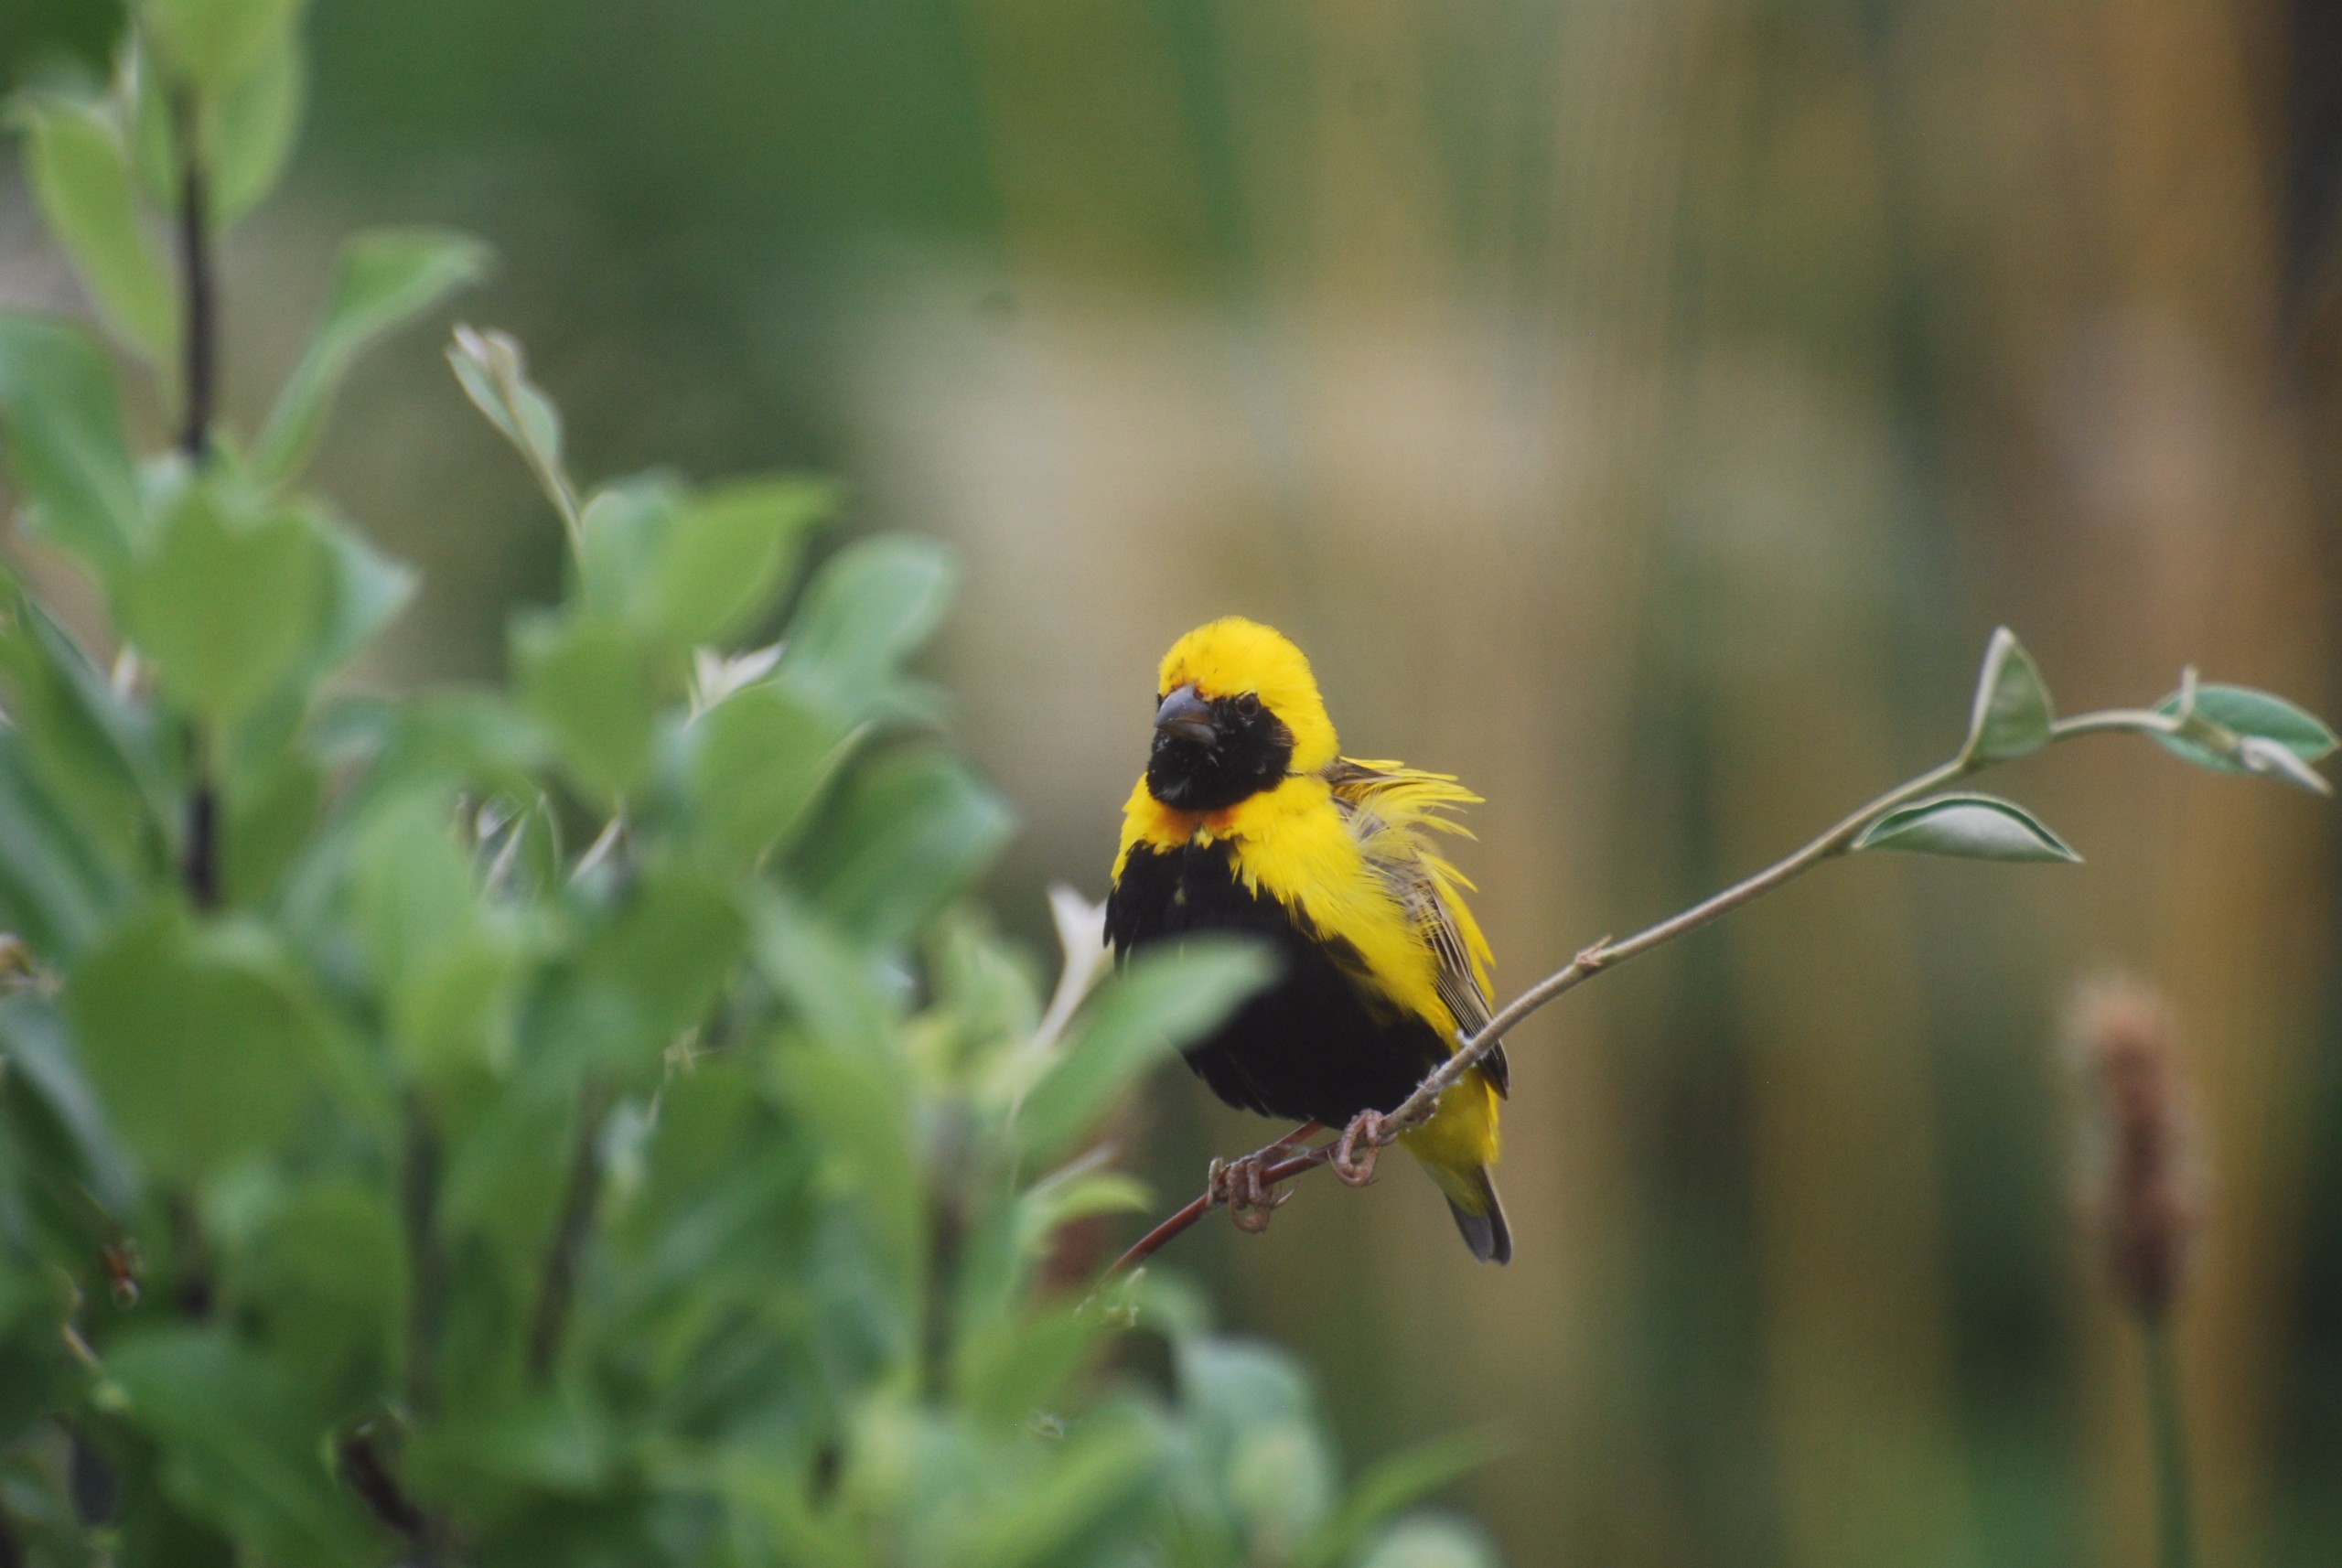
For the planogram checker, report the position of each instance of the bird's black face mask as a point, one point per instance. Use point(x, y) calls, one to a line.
point(1210, 754)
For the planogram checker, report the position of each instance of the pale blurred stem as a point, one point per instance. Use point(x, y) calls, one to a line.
point(1416, 1109)
point(199, 326)
point(2174, 1525)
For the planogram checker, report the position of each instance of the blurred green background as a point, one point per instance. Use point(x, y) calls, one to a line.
point(1642, 408)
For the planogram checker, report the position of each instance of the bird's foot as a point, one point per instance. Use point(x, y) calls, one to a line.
point(1238, 1183)
point(1359, 1148)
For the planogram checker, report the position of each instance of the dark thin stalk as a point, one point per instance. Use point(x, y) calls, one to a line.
point(948, 1240)
point(2175, 1517)
point(200, 324)
point(200, 868)
point(553, 1297)
point(363, 1467)
point(200, 367)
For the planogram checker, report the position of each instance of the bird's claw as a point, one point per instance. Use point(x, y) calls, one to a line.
point(1251, 1200)
point(1359, 1148)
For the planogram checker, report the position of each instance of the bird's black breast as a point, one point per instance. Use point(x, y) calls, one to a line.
point(1315, 1045)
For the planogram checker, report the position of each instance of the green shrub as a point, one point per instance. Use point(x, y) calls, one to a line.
point(585, 1121)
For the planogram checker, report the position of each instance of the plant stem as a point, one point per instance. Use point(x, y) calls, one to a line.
point(370, 1477)
point(2175, 1524)
point(2114, 721)
point(200, 868)
point(201, 326)
point(1417, 1108)
point(559, 1284)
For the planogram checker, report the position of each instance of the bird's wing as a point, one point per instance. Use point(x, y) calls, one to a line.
point(1392, 811)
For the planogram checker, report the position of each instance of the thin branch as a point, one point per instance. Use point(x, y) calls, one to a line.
point(370, 1477)
point(1606, 954)
point(2115, 721)
point(1147, 1245)
point(559, 1284)
point(199, 339)
point(200, 868)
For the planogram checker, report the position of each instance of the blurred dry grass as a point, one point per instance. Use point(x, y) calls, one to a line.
point(1642, 410)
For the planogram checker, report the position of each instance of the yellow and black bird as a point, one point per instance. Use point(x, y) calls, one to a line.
point(1249, 818)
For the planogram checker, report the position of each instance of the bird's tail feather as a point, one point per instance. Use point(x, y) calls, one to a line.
point(1479, 1215)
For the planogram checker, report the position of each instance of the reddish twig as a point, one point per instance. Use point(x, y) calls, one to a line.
point(1216, 1192)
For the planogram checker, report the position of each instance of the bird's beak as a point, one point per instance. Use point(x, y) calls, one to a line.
point(1186, 716)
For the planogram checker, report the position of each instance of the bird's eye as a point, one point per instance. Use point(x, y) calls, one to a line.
point(1248, 705)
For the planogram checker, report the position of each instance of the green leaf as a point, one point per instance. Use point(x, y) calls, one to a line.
point(1400, 1481)
point(271, 815)
point(227, 601)
point(1037, 1520)
point(831, 987)
point(1973, 827)
point(2012, 715)
point(1253, 1408)
point(451, 979)
point(91, 751)
point(546, 1445)
point(588, 681)
point(204, 1043)
point(869, 608)
point(727, 551)
point(853, 1109)
point(239, 1446)
point(245, 129)
point(36, 1382)
point(327, 1278)
point(997, 1259)
point(365, 592)
point(665, 957)
point(459, 738)
point(2224, 720)
point(758, 759)
point(1163, 1000)
point(495, 376)
point(619, 538)
point(35, 1052)
point(54, 893)
point(249, 128)
point(60, 422)
point(911, 832)
point(213, 43)
point(81, 172)
point(385, 280)
point(1012, 1366)
point(1430, 1543)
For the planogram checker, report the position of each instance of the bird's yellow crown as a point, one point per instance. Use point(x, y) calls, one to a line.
point(1231, 656)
